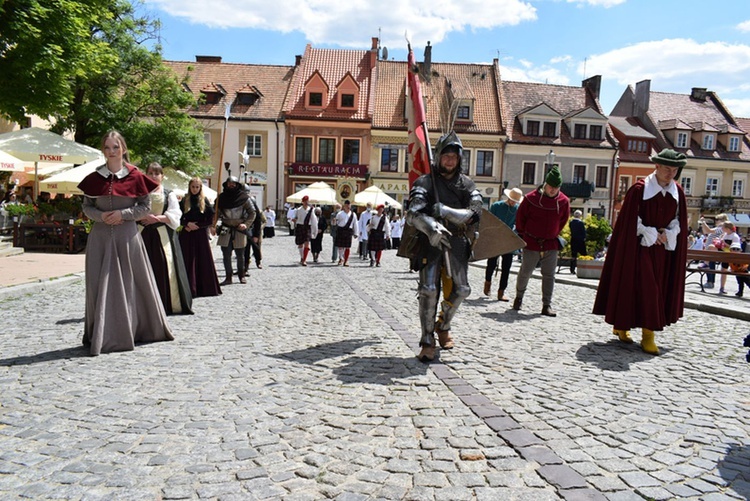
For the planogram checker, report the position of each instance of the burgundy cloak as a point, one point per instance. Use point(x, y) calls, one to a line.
point(644, 286)
point(135, 184)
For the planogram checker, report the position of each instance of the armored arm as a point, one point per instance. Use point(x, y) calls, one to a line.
point(436, 232)
point(461, 217)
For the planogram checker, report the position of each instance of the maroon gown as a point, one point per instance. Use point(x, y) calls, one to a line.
point(644, 286)
point(197, 252)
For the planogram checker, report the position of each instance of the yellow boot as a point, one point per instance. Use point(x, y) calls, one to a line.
point(623, 335)
point(647, 342)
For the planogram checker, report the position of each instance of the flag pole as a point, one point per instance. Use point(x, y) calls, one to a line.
point(227, 113)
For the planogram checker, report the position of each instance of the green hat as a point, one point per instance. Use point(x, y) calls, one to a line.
point(554, 178)
point(669, 158)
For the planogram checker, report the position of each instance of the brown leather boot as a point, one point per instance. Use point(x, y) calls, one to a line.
point(445, 339)
point(427, 353)
point(501, 296)
point(487, 285)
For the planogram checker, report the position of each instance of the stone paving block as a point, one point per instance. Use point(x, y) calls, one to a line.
point(541, 455)
point(582, 495)
point(520, 438)
point(655, 493)
point(562, 476)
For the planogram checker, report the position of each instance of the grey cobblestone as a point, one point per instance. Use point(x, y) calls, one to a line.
point(258, 400)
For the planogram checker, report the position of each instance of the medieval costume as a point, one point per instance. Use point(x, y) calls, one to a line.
point(254, 235)
point(164, 252)
point(123, 306)
point(196, 246)
point(577, 239)
point(444, 207)
point(643, 279)
point(347, 227)
point(236, 214)
point(305, 229)
point(379, 229)
point(540, 218)
point(505, 211)
point(316, 244)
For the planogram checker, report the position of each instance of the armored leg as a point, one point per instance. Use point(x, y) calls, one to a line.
point(456, 287)
point(429, 290)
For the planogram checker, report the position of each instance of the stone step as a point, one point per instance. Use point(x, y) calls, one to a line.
point(7, 249)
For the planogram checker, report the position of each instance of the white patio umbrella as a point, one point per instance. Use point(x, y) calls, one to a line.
point(375, 196)
point(320, 193)
point(66, 182)
point(10, 163)
point(39, 145)
point(178, 181)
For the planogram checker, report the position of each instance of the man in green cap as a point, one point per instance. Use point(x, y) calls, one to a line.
point(643, 280)
point(541, 217)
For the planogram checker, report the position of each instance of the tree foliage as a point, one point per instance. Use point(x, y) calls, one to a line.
point(95, 73)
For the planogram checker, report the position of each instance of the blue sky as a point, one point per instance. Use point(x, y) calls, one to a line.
point(677, 44)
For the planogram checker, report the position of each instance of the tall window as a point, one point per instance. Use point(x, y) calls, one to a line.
point(351, 151)
point(682, 139)
point(466, 160)
point(712, 186)
point(579, 173)
point(595, 132)
point(579, 131)
point(389, 160)
point(254, 145)
point(601, 176)
point(734, 144)
point(529, 173)
point(550, 129)
point(532, 128)
point(327, 151)
point(687, 185)
point(708, 142)
point(623, 186)
point(303, 149)
point(484, 162)
point(738, 188)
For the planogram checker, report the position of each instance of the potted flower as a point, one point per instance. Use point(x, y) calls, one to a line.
point(588, 267)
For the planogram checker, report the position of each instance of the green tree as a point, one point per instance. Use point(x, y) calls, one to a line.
point(115, 81)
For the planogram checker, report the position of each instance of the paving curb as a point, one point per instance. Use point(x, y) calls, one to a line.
point(15, 291)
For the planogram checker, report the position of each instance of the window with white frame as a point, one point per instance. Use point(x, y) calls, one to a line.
point(463, 112)
point(579, 131)
point(687, 185)
point(738, 188)
point(529, 173)
point(254, 145)
point(682, 138)
point(532, 128)
point(708, 142)
point(466, 160)
point(484, 162)
point(579, 173)
point(550, 129)
point(734, 143)
point(207, 139)
point(595, 131)
point(623, 185)
point(712, 186)
point(389, 160)
point(602, 172)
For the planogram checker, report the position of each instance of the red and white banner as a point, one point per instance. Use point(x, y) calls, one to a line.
point(419, 157)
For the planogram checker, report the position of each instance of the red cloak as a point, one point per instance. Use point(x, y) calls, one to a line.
point(644, 286)
point(134, 184)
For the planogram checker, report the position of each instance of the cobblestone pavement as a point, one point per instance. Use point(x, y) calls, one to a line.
point(303, 384)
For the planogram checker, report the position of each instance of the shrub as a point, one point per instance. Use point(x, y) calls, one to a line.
point(597, 230)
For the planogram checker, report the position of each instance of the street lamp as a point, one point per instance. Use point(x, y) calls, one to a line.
point(551, 158)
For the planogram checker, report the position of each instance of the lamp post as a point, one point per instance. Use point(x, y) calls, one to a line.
point(550, 158)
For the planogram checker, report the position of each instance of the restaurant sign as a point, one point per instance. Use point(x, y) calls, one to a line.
point(305, 169)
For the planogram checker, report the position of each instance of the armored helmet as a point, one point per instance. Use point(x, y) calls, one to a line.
point(449, 143)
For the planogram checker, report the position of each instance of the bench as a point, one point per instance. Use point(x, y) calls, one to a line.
point(716, 256)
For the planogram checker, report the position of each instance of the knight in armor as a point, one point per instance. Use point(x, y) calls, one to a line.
point(237, 214)
point(444, 207)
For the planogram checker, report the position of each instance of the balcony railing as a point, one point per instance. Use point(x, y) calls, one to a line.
point(718, 203)
point(583, 189)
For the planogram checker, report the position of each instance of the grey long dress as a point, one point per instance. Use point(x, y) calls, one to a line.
point(123, 306)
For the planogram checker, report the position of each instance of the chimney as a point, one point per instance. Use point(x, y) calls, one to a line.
point(698, 94)
point(207, 59)
point(374, 52)
point(297, 60)
point(642, 97)
point(594, 85)
point(427, 66)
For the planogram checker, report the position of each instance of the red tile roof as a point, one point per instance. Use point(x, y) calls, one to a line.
point(332, 64)
point(565, 100)
point(271, 81)
point(448, 81)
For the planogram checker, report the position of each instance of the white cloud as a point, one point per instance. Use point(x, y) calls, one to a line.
point(560, 59)
point(674, 61)
point(543, 74)
point(744, 26)
point(738, 107)
point(342, 22)
point(599, 3)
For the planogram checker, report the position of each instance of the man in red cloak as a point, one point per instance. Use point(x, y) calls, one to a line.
point(643, 280)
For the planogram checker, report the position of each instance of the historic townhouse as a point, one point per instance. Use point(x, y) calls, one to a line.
point(564, 126)
point(464, 97)
point(328, 116)
point(699, 125)
point(253, 96)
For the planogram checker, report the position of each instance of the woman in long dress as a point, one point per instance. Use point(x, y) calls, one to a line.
point(122, 302)
point(163, 248)
point(197, 218)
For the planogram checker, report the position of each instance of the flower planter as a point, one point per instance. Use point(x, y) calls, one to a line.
point(589, 269)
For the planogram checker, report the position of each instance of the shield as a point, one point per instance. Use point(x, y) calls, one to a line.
point(495, 238)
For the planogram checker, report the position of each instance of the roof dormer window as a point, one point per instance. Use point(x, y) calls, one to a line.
point(315, 99)
point(247, 98)
point(347, 100)
point(316, 91)
point(682, 140)
point(708, 142)
point(734, 144)
point(348, 93)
